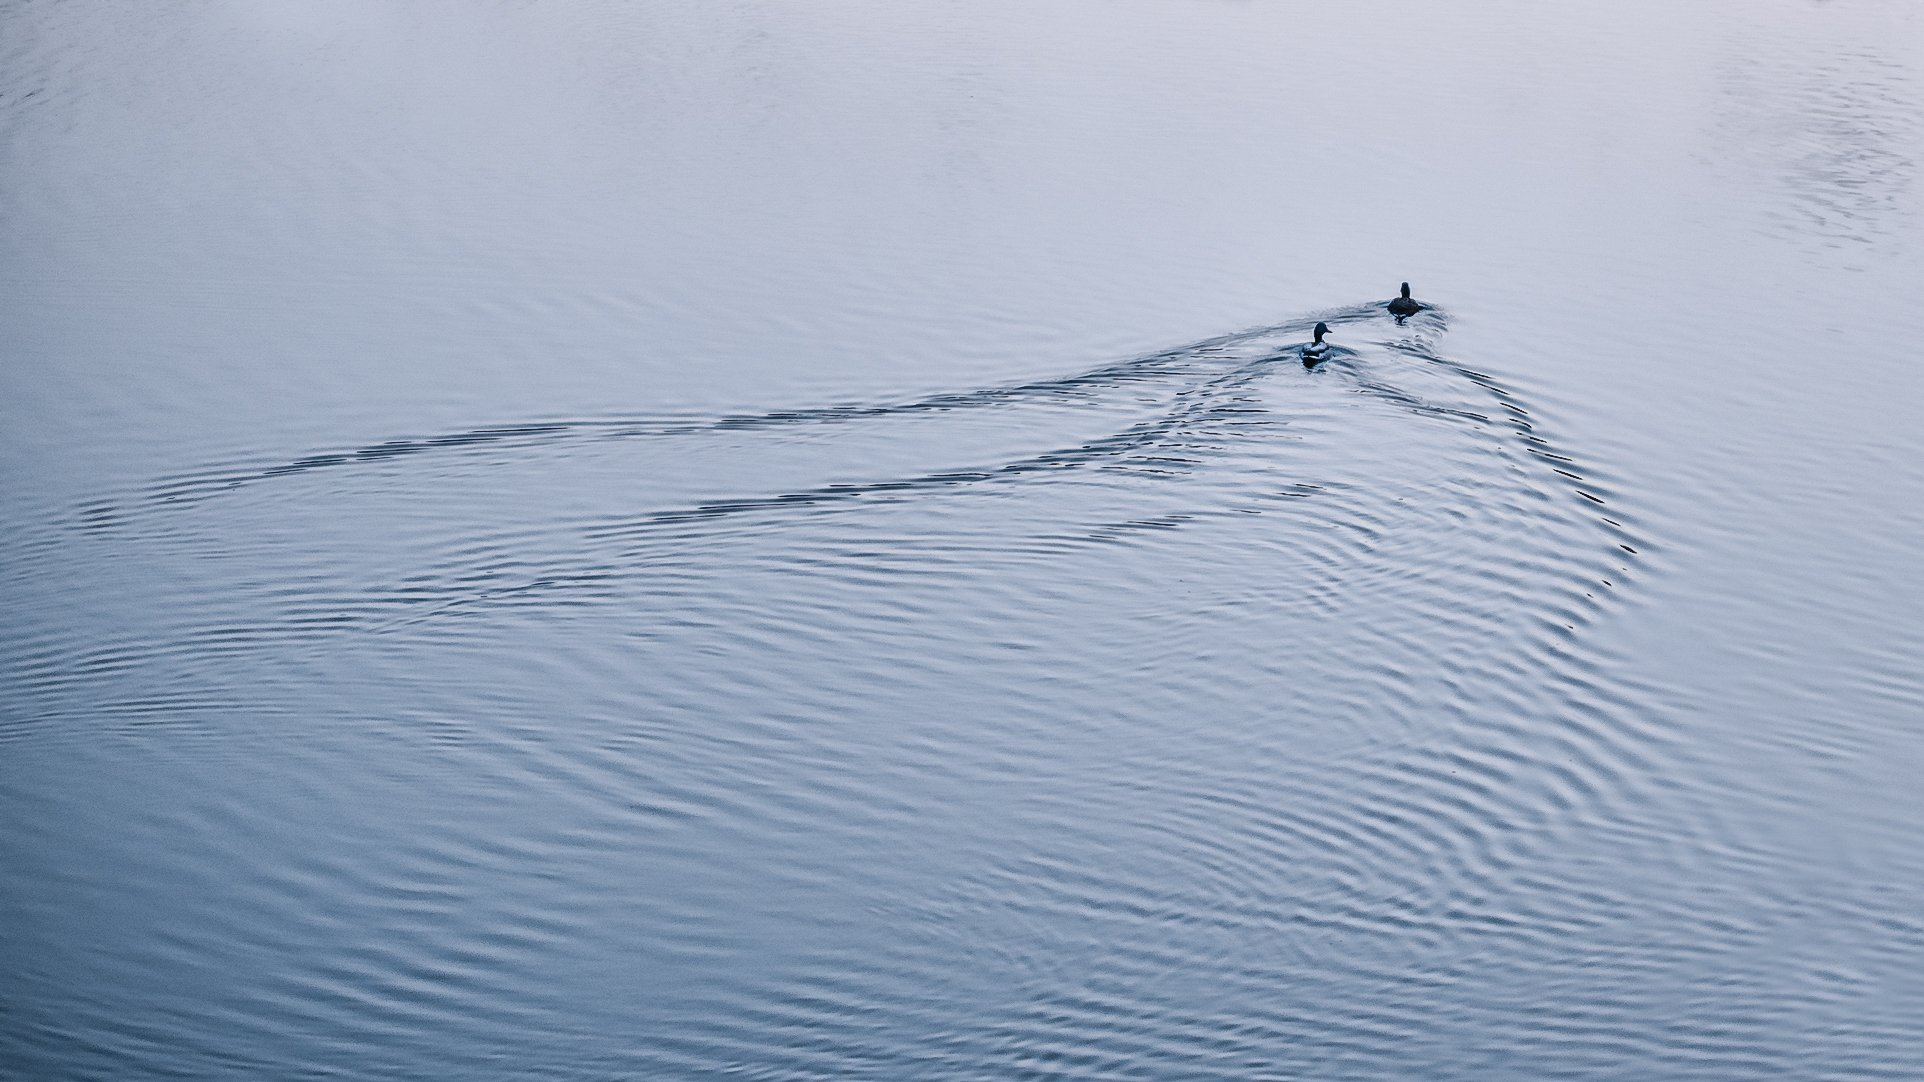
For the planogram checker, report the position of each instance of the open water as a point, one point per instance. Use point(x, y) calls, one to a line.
point(791, 540)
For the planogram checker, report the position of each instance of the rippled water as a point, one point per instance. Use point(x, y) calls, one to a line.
point(796, 541)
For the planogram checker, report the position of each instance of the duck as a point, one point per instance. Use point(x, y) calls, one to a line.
point(1404, 305)
point(1319, 349)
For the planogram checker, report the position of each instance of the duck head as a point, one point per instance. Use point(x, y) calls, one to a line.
point(1406, 291)
point(1321, 330)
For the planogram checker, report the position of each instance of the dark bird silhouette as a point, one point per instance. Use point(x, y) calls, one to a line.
point(1318, 349)
point(1404, 305)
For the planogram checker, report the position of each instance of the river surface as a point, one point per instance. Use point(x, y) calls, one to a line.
point(787, 540)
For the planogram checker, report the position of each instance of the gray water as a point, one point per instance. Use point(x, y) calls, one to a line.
point(792, 540)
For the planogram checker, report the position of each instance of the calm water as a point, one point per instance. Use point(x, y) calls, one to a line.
point(791, 540)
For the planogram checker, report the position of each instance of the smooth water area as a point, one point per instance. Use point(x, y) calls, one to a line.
point(793, 541)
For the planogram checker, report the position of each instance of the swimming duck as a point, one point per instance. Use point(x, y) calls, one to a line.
point(1318, 349)
point(1403, 305)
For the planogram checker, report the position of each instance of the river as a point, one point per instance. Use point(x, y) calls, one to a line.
point(794, 541)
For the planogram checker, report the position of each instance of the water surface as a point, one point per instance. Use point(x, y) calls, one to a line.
point(794, 541)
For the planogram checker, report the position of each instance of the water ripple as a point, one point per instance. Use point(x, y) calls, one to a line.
point(1298, 651)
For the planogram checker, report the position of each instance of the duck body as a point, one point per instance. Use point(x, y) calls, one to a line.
point(1405, 305)
point(1318, 349)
